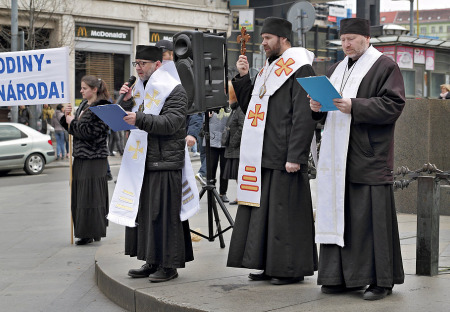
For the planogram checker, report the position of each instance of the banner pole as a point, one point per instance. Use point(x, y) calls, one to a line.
point(70, 184)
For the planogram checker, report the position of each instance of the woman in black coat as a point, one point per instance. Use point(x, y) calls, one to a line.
point(90, 201)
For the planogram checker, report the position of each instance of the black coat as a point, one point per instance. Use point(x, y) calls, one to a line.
point(377, 106)
point(235, 123)
point(89, 132)
point(166, 132)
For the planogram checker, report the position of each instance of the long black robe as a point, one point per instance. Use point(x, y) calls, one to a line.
point(278, 236)
point(371, 254)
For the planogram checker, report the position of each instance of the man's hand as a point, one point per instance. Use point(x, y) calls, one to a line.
point(315, 106)
point(130, 118)
point(190, 140)
point(292, 167)
point(344, 105)
point(242, 65)
point(126, 89)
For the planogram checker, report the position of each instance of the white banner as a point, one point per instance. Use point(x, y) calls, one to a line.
point(34, 77)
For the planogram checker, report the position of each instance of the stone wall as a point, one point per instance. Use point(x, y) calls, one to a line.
point(422, 135)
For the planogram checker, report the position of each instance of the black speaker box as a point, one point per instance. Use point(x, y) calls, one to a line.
point(201, 62)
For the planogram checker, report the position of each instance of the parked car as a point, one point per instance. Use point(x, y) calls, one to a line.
point(22, 147)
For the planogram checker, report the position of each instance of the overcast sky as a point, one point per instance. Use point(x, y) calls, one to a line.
point(389, 5)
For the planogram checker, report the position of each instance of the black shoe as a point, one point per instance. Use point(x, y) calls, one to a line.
point(375, 292)
point(109, 176)
point(144, 271)
point(337, 289)
point(234, 202)
point(259, 276)
point(97, 239)
point(84, 241)
point(163, 275)
point(224, 198)
point(286, 280)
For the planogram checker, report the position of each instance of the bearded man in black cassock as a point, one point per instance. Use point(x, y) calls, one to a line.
point(356, 221)
point(274, 229)
point(159, 238)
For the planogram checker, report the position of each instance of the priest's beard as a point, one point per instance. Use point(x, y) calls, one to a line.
point(274, 51)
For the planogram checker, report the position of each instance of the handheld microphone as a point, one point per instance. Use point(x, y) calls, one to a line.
point(131, 81)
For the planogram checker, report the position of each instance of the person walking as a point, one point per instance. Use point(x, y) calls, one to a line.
point(90, 200)
point(59, 132)
point(274, 229)
point(356, 220)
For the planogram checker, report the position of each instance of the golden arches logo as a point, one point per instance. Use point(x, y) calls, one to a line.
point(81, 32)
point(155, 37)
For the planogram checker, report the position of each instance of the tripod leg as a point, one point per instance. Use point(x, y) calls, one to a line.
point(224, 209)
point(216, 217)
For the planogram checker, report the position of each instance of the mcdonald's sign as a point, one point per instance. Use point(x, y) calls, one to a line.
point(102, 33)
point(155, 36)
point(81, 31)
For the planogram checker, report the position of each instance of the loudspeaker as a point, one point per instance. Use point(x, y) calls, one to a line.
point(201, 62)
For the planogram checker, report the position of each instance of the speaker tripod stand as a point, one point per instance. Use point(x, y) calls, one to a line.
point(213, 196)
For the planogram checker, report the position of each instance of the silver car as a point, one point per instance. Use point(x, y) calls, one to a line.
point(22, 147)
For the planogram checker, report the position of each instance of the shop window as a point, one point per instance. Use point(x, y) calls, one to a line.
point(436, 80)
point(410, 82)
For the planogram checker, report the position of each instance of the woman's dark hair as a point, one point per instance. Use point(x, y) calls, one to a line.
point(59, 107)
point(94, 82)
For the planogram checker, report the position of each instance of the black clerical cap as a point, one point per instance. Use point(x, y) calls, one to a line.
point(149, 53)
point(166, 45)
point(359, 26)
point(277, 26)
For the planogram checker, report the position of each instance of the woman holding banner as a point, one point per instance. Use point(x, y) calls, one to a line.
point(90, 201)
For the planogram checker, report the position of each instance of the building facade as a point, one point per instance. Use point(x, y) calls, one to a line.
point(102, 34)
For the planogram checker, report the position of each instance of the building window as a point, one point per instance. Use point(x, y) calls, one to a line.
point(423, 30)
point(438, 17)
point(410, 81)
point(400, 19)
point(441, 29)
point(433, 29)
point(383, 18)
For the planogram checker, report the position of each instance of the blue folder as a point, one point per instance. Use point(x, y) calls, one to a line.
point(112, 115)
point(321, 90)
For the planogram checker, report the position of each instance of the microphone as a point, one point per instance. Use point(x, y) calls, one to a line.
point(131, 81)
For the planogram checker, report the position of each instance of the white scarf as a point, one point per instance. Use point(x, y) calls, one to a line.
point(268, 81)
point(125, 201)
point(333, 153)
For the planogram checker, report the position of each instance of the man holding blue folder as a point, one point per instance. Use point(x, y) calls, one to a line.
point(274, 229)
point(356, 221)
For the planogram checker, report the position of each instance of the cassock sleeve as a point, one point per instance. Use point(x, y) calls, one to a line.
point(386, 105)
point(303, 125)
point(171, 118)
point(243, 88)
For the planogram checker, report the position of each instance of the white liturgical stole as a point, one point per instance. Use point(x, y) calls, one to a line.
point(268, 81)
point(125, 200)
point(333, 152)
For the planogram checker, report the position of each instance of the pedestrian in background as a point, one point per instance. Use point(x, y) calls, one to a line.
point(90, 201)
point(59, 132)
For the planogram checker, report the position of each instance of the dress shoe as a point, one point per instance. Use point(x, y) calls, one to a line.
point(337, 289)
point(259, 276)
point(144, 271)
point(234, 202)
point(286, 280)
point(84, 241)
point(375, 292)
point(224, 198)
point(163, 275)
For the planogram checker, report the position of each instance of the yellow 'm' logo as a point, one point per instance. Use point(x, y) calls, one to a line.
point(81, 32)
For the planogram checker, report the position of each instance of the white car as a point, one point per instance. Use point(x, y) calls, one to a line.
point(22, 147)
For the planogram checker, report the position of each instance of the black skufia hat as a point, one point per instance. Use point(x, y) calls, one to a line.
point(277, 26)
point(166, 45)
point(359, 26)
point(149, 53)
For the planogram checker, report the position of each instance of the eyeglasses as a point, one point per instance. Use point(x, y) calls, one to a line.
point(140, 63)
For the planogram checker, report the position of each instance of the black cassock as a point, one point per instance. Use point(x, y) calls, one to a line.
point(278, 236)
point(371, 254)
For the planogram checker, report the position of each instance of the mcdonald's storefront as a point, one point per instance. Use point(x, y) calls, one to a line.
point(105, 52)
point(156, 35)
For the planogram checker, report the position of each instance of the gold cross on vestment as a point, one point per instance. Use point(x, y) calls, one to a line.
point(152, 99)
point(136, 149)
point(284, 67)
point(256, 115)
